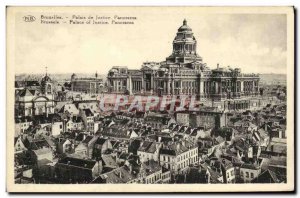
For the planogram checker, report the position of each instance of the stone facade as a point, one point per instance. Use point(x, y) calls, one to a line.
point(31, 102)
point(86, 85)
point(183, 72)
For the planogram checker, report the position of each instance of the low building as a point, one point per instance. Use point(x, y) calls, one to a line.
point(267, 177)
point(22, 123)
point(150, 172)
point(165, 175)
point(121, 175)
point(19, 145)
point(228, 171)
point(149, 150)
point(178, 156)
point(249, 171)
point(76, 170)
point(64, 146)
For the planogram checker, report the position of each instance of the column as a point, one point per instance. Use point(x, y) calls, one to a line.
point(143, 83)
point(130, 85)
point(173, 84)
point(134, 85)
point(139, 85)
point(201, 88)
point(180, 87)
point(169, 88)
point(242, 86)
point(152, 82)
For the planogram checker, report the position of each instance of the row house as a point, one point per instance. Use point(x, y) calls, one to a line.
point(177, 156)
point(150, 172)
point(149, 150)
point(76, 170)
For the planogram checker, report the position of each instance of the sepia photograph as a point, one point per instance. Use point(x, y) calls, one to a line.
point(150, 99)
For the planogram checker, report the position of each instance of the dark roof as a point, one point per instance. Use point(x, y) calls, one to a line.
point(36, 144)
point(76, 119)
point(145, 146)
point(43, 119)
point(167, 151)
point(88, 112)
point(196, 175)
point(27, 92)
point(23, 119)
point(151, 167)
point(118, 175)
point(100, 141)
point(32, 83)
point(87, 139)
point(83, 163)
point(267, 176)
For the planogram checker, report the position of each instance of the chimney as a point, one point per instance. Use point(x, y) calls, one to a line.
point(218, 66)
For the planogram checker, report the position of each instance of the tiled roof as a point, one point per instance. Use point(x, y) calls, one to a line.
point(117, 176)
point(83, 163)
point(267, 176)
point(151, 167)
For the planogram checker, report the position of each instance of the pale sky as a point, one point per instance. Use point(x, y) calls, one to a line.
point(254, 42)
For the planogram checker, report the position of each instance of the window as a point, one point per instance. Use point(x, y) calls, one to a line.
point(247, 174)
point(252, 175)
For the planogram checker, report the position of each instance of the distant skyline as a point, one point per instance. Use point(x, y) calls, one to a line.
point(256, 43)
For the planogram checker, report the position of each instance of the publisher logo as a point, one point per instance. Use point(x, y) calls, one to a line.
point(29, 18)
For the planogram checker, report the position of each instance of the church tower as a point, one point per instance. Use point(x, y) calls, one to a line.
point(184, 46)
point(46, 85)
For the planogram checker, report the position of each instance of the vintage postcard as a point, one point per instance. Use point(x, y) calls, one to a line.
point(150, 99)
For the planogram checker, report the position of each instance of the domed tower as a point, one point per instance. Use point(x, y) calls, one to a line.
point(184, 46)
point(73, 77)
point(46, 85)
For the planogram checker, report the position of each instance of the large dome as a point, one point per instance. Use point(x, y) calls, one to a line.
point(184, 27)
point(45, 79)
